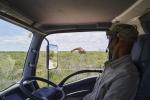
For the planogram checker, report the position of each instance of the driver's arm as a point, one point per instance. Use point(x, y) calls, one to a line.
point(123, 88)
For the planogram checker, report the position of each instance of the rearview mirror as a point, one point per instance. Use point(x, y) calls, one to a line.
point(52, 56)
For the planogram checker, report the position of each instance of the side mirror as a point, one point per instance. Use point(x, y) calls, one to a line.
point(51, 56)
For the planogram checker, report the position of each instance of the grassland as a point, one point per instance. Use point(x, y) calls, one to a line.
point(12, 64)
point(11, 67)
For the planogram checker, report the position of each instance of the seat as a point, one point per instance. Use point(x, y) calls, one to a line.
point(141, 58)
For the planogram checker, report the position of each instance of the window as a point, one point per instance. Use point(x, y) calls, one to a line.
point(14, 43)
point(76, 51)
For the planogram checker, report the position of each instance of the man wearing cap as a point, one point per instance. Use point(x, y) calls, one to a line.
point(119, 80)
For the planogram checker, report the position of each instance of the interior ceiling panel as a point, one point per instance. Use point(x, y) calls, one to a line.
point(65, 12)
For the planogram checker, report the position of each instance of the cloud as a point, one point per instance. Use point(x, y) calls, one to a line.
point(15, 43)
point(91, 41)
point(13, 38)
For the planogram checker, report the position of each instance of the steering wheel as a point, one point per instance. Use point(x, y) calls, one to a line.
point(46, 93)
point(61, 84)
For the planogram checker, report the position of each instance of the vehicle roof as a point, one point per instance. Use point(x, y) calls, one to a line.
point(62, 12)
point(47, 15)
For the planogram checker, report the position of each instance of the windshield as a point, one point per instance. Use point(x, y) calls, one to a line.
point(14, 44)
point(76, 51)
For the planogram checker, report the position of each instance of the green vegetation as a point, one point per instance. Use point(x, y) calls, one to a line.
point(11, 67)
point(12, 64)
point(71, 62)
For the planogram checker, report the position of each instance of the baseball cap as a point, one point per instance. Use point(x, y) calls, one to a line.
point(124, 31)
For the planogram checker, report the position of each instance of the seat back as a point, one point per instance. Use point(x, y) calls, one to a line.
point(141, 58)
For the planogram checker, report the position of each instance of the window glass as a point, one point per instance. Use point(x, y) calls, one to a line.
point(76, 51)
point(14, 44)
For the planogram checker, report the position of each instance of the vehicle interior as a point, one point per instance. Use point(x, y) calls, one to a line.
point(46, 17)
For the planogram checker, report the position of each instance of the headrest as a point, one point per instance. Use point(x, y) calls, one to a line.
point(141, 53)
point(145, 22)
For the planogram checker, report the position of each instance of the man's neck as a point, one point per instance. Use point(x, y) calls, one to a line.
point(120, 54)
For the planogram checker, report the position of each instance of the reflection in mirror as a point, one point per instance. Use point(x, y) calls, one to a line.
point(53, 56)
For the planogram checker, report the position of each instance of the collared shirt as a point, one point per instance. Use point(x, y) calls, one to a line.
point(119, 81)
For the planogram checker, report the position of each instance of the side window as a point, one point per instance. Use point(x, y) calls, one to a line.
point(76, 51)
point(14, 44)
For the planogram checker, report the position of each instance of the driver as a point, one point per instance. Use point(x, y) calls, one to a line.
point(120, 78)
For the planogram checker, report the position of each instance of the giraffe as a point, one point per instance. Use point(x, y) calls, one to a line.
point(80, 50)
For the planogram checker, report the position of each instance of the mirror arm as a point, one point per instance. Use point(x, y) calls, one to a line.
point(47, 58)
point(47, 53)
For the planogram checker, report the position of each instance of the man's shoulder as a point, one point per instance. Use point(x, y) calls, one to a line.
point(129, 69)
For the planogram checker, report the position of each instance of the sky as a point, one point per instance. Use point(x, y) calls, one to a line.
point(14, 38)
point(90, 41)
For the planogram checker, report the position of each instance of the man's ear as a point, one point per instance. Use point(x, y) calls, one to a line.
point(115, 51)
point(117, 40)
point(124, 46)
